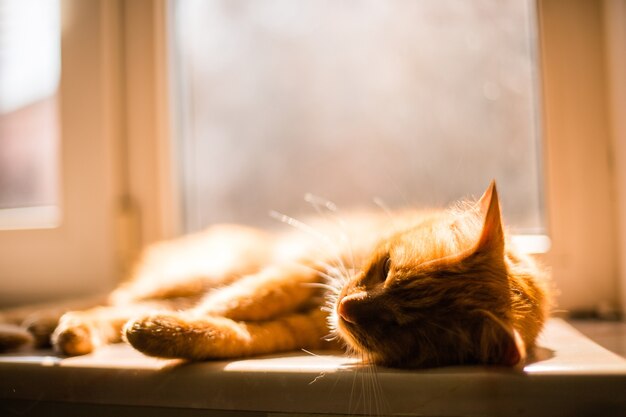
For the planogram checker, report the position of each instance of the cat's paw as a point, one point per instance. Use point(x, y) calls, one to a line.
point(74, 338)
point(41, 327)
point(177, 336)
point(13, 337)
point(155, 335)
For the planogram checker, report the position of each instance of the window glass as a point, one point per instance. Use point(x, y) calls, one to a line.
point(29, 125)
point(403, 102)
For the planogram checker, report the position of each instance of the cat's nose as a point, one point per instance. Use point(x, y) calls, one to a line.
point(348, 306)
point(343, 312)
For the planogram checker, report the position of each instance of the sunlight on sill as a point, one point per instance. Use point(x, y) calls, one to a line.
point(564, 351)
point(307, 362)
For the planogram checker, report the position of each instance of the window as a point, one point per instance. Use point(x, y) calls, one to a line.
point(410, 103)
point(58, 137)
point(128, 69)
point(30, 65)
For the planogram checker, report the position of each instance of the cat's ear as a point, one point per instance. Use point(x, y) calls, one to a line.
point(485, 199)
point(502, 345)
point(492, 234)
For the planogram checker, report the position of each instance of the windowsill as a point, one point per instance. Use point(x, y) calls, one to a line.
point(571, 374)
point(610, 335)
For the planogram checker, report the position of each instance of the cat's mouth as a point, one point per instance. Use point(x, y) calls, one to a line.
point(358, 344)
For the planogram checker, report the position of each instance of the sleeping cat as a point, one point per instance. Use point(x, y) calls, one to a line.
point(403, 289)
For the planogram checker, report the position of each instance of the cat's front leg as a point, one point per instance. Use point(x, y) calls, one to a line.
point(27, 327)
point(81, 332)
point(185, 336)
point(274, 291)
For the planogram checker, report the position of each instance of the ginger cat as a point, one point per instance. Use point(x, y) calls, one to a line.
point(405, 289)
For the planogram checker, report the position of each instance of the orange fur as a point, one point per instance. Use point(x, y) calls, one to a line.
point(448, 291)
point(417, 288)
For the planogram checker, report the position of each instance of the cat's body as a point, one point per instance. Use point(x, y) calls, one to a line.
point(409, 288)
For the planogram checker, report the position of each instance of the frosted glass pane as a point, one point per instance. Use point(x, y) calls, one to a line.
point(410, 102)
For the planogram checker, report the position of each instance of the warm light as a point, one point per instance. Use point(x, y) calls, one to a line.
point(532, 244)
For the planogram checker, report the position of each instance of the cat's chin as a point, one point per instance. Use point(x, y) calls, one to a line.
point(345, 334)
point(355, 347)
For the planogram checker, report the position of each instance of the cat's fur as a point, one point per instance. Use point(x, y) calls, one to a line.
point(407, 289)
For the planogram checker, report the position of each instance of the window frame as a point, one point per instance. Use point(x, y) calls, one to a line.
point(579, 163)
point(116, 194)
point(77, 256)
point(615, 36)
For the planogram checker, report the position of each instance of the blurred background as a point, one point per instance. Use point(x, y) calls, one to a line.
point(414, 103)
point(123, 123)
point(410, 103)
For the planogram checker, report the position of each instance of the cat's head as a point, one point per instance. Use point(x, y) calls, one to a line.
point(436, 293)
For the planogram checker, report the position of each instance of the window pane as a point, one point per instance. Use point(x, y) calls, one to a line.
point(29, 131)
point(410, 102)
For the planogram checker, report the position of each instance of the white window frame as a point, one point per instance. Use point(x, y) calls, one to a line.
point(119, 188)
point(580, 182)
point(77, 256)
point(615, 35)
point(113, 156)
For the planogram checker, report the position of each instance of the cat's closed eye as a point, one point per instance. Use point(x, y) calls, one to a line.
point(385, 269)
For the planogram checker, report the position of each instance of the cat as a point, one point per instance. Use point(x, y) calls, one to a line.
point(408, 289)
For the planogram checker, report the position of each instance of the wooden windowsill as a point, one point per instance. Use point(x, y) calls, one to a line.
point(570, 375)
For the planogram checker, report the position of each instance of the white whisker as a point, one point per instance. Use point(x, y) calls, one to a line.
point(309, 352)
point(332, 248)
point(283, 218)
point(383, 206)
point(320, 376)
point(319, 285)
point(331, 338)
point(330, 214)
point(317, 202)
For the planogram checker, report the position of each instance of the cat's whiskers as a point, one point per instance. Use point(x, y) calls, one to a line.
point(320, 202)
point(375, 391)
point(371, 396)
point(303, 227)
point(333, 276)
point(336, 280)
point(320, 285)
point(331, 214)
point(383, 206)
point(336, 276)
point(331, 248)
